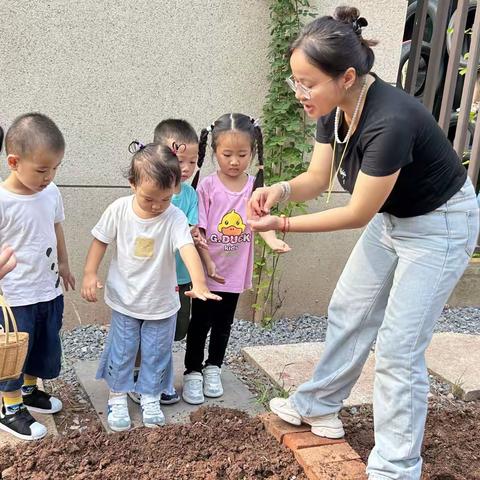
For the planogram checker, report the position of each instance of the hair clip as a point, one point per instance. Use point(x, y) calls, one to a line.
point(135, 146)
point(178, 147)
point(358, 24)
point(210, 128)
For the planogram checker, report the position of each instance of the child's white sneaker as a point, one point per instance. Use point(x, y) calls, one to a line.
point(212, 383)
point(193, 388)
point(152, 414)
point(118, 418)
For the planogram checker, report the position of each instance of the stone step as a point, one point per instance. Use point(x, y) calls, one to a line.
point(236, 394)
point(454, 357)
point(45, 419)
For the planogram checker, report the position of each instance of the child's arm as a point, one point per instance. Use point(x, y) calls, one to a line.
point(193, 263)
point(62, 255)
point(7, 260)
point(276, 244)
point(209, 263)
point(198, 239)
point(90, 280)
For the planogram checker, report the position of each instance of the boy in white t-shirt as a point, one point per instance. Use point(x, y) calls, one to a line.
point(31, 212)
point(141, 286)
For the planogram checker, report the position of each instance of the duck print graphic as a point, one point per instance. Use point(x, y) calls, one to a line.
point(231, 224)
point(232, 232)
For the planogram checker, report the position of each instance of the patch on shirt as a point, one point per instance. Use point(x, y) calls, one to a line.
point(144, 247)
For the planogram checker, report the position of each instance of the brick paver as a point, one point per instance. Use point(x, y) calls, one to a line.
point(278, 428)
point(321, 458)
point(295, 441)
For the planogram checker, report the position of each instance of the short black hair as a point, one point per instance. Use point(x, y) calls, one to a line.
point(155, 163)
point(31, 131)
point(177, 129)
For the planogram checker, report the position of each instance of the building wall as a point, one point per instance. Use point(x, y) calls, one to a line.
point(108, 71)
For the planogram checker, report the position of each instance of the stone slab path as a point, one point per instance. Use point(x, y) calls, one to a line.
point(454, 357)
point(236, 394)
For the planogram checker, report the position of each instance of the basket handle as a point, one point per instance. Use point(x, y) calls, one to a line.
point(7, 318)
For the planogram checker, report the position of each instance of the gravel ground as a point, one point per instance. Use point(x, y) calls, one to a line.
point(86, 342)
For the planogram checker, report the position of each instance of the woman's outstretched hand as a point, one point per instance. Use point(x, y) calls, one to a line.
point(262, 200)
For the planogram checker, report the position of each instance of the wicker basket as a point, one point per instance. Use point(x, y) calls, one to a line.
point(13, 345)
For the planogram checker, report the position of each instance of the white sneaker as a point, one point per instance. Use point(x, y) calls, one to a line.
point(212, 383)
point(152, 414)
point(118, 418)
point(193, 388)
point(329, 426)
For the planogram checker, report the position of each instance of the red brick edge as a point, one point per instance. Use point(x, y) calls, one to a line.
point(321, 458)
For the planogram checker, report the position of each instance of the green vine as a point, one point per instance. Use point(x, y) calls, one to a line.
point(287, 140)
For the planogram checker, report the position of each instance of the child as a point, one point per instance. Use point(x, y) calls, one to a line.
point(222, 200)
point(141, 286)
point(31, 212)
point(180, 136)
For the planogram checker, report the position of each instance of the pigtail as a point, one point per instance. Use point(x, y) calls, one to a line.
point(260, 177)
point(1, 138)
point(202, 148)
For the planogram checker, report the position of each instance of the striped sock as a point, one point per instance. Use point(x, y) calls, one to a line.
point(12, 404)
point(29, 385)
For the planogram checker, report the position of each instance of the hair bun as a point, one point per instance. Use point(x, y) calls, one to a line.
point(346, 14)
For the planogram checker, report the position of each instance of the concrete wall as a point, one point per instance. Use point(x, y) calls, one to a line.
point(108, 71)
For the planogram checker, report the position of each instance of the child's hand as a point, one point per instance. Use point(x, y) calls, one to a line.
point(7, 260)
point(89, 287)
point(278, 245)
point(202, 293)
point(212, 273)
point(198, 239)
point(66, 275)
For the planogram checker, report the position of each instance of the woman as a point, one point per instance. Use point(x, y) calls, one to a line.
point(421, 215)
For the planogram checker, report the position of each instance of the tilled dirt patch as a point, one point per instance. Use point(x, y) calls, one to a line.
point(451, 447)
point(220, 444)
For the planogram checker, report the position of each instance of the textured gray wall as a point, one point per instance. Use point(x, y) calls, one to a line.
point(108, 71)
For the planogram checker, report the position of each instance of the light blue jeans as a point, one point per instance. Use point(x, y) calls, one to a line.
point(393, 288)
point(118, 358)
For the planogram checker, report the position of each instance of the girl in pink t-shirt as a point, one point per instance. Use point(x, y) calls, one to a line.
point(222, 212)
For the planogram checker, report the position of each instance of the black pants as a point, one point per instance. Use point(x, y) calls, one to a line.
point(206, 316)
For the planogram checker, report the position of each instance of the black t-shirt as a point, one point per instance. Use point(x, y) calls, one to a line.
point(395, 132)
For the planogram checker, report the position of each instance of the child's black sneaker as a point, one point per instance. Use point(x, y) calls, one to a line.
point(42, 402)
point(169, 399)
point(21, 424)
point(134, 396)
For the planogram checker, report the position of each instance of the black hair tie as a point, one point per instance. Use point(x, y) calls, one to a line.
point(135, 146)
point(358, 24)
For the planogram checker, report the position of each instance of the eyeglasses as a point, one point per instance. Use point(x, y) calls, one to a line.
point(306, 92)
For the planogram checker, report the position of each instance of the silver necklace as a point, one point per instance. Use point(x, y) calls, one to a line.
point(354, 117)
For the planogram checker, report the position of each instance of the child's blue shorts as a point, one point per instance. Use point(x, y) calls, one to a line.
point(42, 321)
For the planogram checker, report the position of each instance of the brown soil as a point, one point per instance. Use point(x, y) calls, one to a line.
point(219, 444)
point(451, 448)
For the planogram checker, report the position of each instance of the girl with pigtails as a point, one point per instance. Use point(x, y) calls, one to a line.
point(222, 203)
